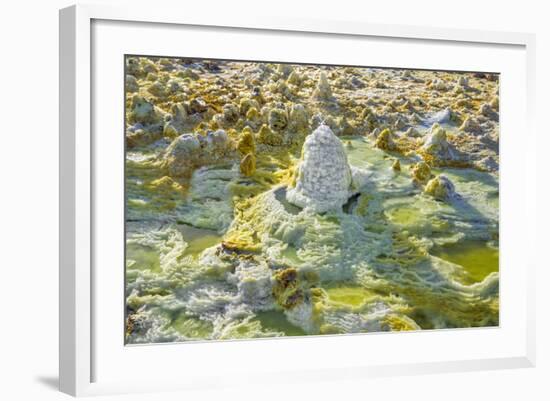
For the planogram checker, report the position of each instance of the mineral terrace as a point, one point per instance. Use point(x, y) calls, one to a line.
point(282, 200)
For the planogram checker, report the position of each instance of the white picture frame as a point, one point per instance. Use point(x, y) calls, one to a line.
point(78, 152)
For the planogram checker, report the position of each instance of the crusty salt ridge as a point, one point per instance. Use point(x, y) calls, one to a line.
point(323, 175)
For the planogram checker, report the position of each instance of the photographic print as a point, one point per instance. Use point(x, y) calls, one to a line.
point(269, 199)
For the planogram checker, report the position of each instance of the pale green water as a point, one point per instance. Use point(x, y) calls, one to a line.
point(350, 295)
point(477, 259)
point(291, 254)
point(145, 257)
point(198, 239)
point(277, 321)
point(405, 216)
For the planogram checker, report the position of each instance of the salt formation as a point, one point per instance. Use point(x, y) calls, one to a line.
point(197, 105)
point(471, 126)
point(246, 104)
point(439, 85)
point(253, 118)
point(253, 282)
point(462, 85)
point(462, 81)
point(230, 114)
point(323, 91)
point(412, 133)
point(396, 166)
point(143, 111)
point(487, 111)
point(278, 119)
point(175, 121)
point(437, 146)
point(189, 151)
point(385, 140)
point(269, 137)
point(294, 78)
point(246, 143)
point(145, 327)
point(440, 117)
point(248, 165)
point(420, 172)
point(298, 120)
point(441, 188)
point(323, 175)
point(131, 83)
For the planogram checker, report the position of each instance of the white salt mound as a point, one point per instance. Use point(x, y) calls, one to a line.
point(324, 176)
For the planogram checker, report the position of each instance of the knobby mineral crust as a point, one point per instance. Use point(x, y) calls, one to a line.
point(279, 200)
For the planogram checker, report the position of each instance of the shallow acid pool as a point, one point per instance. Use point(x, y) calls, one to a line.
point(198, 239)
point(142, 257)
point(277, 321)
point(477, 259)
point(349, 295)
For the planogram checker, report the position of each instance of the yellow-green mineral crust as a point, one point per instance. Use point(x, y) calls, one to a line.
point(248, 164)
point(267, 200)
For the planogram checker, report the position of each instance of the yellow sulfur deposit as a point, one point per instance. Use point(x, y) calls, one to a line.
point(421, 172)
point(246, 143)
point(248, 164)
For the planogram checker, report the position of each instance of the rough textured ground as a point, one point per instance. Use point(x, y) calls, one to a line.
point(219, 246)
